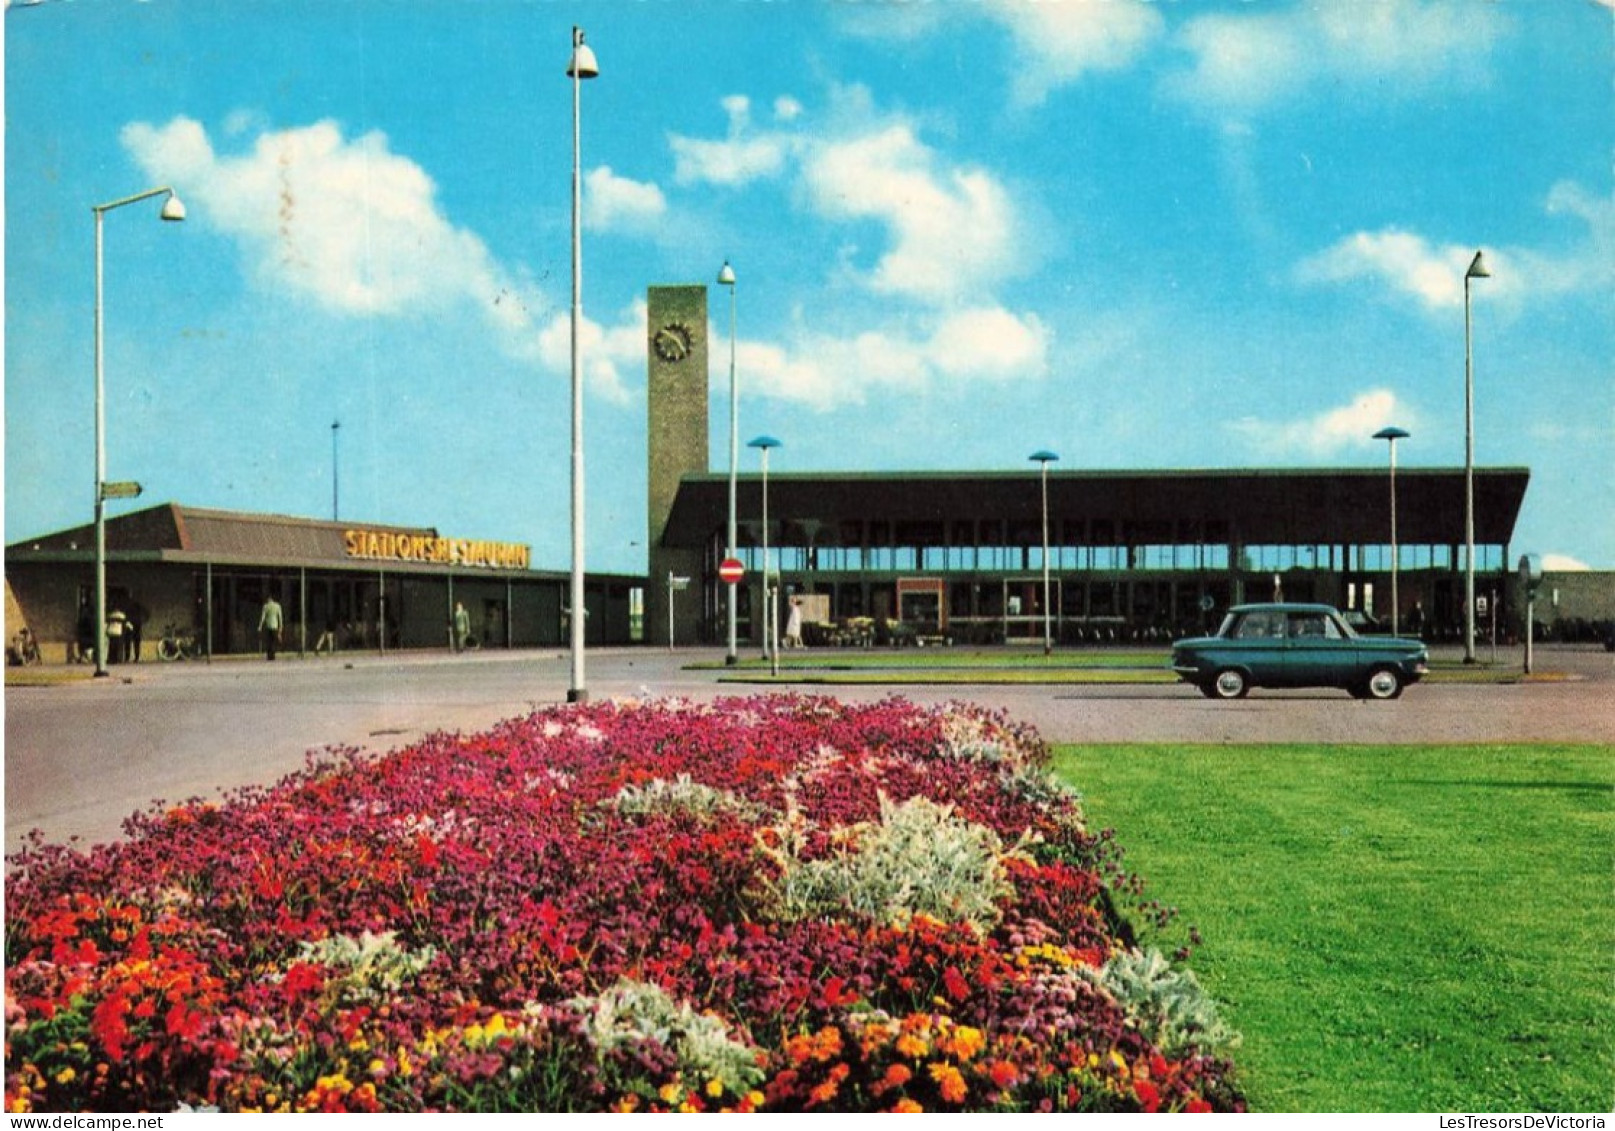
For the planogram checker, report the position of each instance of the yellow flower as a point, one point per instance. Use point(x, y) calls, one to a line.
point(671, 1093)
point(66, 1075)
point(966, 1042)
point(910, 1045)
point(714, 1088)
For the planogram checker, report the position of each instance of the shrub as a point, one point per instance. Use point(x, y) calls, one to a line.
point(918, 859)
point(1168, 1005)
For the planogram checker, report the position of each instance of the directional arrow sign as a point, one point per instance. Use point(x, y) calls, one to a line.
point(124, 490)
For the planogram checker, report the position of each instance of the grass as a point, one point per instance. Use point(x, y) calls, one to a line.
point(1392, 929)
point(927, 666)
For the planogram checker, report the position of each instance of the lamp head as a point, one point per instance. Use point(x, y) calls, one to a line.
point(726, 276)
point(764, 442)
point(582, 64)
point(173, 209)
point(1045, 457)
point(1478, 268)
point(1391, 433)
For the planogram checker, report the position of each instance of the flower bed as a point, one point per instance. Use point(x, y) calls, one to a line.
point(776, 903)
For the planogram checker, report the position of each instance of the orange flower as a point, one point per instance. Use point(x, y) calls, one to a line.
point(826, 1091)
point(906, 1105)
point(896, 1076)
point(1003, 1074)
point(823, 1046)
point(948, 1079)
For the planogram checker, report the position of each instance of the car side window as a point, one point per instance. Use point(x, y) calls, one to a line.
point(1260, 626)
point(1313, 626)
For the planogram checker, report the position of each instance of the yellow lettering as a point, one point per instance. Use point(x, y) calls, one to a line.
point(474, 552)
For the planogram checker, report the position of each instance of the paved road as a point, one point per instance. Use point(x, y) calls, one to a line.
point(81, 756)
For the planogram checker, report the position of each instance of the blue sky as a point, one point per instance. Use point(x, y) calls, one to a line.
point(1142, 234)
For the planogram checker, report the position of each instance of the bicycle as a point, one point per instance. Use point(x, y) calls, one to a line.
point(178, 645)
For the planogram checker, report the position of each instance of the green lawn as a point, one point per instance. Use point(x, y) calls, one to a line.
point(922, 666)
point(1392, 929)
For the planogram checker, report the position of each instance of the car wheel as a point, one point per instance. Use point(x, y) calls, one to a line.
point(1230, 684)
point(1383, 683)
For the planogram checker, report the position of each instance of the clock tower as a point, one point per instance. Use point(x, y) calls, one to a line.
point(677, 427)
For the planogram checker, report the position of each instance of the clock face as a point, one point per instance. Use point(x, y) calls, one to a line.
point(672, 342)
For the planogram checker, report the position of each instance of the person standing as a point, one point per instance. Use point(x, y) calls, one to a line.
point(793, 624)
point(117, 623)
point(269, 624)
point(462, 626)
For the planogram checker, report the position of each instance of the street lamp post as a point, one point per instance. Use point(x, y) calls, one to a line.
point(336, 426)
point(770, 628)
point(173, 210)
point(1044, 458)
point(726, 277)
point(581, 66)
point(1477, 270)
point(1392, 434)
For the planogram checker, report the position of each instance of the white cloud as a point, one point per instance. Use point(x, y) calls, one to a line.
point(359, 230)
point(1054, 42)
point(607, 352)
point(1328, 433)
point(1248, 61)
point(1058, 43)
point(741, 157)
point(1408, 265)
point(953, 229)
point(347, 222)
point(1402, 262)
point(827, 371)
point(613, 203)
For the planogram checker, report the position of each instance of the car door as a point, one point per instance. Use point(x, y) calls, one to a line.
point(1318, 653)
point(1257, 645)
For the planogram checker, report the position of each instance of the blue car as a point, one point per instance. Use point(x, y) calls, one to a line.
point(1295, 645)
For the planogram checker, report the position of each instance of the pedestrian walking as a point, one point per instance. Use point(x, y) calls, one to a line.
point(327, 641)
point(269, 625)
point(462, 626)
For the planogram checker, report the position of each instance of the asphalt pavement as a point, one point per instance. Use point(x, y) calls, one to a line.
point(82, 754)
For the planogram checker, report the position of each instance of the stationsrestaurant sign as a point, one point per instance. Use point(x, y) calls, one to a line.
point(428, 549)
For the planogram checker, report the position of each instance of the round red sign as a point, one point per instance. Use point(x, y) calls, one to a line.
point(731, 571)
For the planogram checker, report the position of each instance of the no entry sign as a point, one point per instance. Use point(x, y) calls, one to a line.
point(731, 571)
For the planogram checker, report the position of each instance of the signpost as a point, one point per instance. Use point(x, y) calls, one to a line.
point(120, 490)
point(674, 584)
point(1530, 582)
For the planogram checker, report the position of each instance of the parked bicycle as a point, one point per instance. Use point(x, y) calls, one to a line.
point(178, 644)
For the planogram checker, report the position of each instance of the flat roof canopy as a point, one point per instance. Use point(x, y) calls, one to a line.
point(1257, 507)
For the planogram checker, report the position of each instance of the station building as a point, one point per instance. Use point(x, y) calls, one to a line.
point(960, 555)
point(376, 587)
point(1136, 555)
